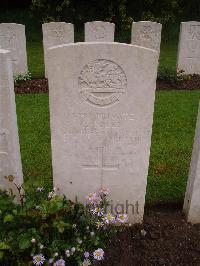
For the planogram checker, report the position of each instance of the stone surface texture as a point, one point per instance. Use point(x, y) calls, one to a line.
point(188, 61)
point(99, 31)
point(56, 33)
point(147, 34)
point(10, 159)
point(13, 38)
point(192, 196)
point(101, 113)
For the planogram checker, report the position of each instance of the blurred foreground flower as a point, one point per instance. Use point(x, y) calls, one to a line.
point(98, 254)
point(38, 259)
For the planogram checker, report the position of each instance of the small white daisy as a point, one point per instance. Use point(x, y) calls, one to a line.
point(98, 254)
point(86, 262)
point(122, 218)
point(67, 252)
point(104, 191)
point(60, 262)
point(92, 234)
point(51, 195)
point(109, 218)
point(80, 241)
point(73, 249)
point(40, 189)
point(33, 240)
point(98, 211)
point(99, 224)
point(93, 198)
point(50, 261)
point(38, 260)
point(86, 254)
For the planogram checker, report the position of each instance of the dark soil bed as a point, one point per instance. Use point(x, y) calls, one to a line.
point(32, 86)
point(166, 240)
point(41, 85)
point(192, 84)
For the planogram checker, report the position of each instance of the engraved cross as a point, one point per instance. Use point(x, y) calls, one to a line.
point(102, 166)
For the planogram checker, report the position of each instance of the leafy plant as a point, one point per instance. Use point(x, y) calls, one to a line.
point(49, 229)
point(166, 74)
point(22, 77)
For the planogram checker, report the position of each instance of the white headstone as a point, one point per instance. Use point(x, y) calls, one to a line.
point(10, 160)
point(13, 38)
point(99, 31)
point(192, 196)
point(147, 34)
point(56, 33)
point(101, 109)
point(189, 48)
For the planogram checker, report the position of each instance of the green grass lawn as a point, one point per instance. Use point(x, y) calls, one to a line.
point(35, 59)
point(173, 132)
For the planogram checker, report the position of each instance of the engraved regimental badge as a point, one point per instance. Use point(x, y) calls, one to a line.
point(102, 82)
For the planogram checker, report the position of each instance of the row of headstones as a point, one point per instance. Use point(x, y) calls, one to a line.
point(12, 37)
point(101, 98)
point(144, 33)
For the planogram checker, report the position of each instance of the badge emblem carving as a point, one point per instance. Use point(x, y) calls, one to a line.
point(102, 82)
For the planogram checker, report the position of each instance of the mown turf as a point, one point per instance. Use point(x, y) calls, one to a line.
point(34, 131)
point(173, 132)
point(35, 59)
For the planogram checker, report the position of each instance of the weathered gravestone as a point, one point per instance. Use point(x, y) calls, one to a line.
point(192, 196)
point(10, 160)
point(147, 34)
point(12, 38)
point(101, 109)
point(189, 48)
point(56, 33)
point(99, 31)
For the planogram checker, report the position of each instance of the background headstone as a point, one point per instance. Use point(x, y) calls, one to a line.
point(192, 196)
point(56, 33)
point(99, 31)
point(189, 48)
point(101, 112)
point(10, 159)
point(13, 38)
point(147, 34)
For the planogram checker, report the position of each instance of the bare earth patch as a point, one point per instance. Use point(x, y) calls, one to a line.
point(165, 238)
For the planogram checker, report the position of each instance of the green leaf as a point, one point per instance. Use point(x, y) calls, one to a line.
point(61, 225)
point(1, 254)
point(8, 218)
point(24, 243)
point(4, 246)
